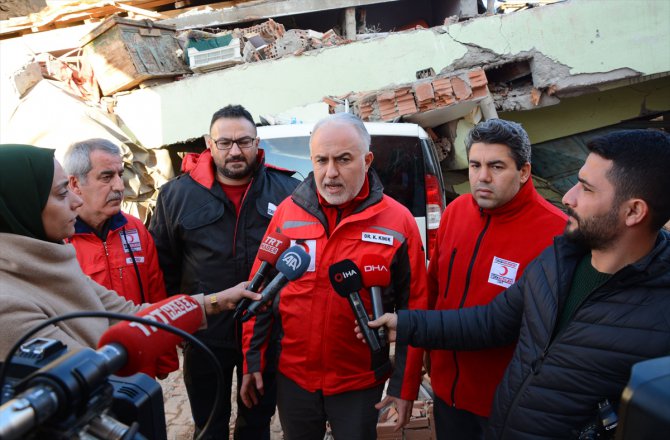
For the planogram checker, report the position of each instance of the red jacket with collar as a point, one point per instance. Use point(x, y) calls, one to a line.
point(110, 264)
point(478, 254)
point(319, 349)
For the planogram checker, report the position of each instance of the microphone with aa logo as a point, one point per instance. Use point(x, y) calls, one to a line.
point(346, 280)
point(375, 276)
point(273, 245)
point(291, 265)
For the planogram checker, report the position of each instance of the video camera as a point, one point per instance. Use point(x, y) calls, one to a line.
point(53, 393)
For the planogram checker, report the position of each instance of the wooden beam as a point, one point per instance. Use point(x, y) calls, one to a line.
point(257, 10)
point(140, 11)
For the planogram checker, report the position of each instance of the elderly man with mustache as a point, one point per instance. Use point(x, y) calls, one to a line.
point(114, 248)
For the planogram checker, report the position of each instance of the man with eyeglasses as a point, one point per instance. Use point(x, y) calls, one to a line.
point(207, 227)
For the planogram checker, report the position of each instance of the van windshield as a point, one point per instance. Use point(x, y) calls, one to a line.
point(398, 161)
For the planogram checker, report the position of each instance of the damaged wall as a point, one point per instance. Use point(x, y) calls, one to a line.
point(630, 42)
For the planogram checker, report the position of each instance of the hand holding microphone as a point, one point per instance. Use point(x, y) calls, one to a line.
point(346, 280)
point(291, 265)
point(269, 251)
point(376, 275)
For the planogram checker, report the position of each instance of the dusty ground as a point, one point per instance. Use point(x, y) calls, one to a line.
point(178, 411)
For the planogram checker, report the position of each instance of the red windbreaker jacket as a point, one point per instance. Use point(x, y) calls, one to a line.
point(110, 264)
point(478, 254)
point(319, 349)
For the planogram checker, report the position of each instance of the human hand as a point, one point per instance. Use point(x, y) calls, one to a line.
point(390, 320)
point(228, 299)
point(403, 408)
point(252, 387)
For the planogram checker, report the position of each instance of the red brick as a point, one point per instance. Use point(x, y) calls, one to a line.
point(461, 89)
point(477, 78)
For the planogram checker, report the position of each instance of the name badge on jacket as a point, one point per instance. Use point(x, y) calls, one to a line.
point(503, 272)
point(373, 237)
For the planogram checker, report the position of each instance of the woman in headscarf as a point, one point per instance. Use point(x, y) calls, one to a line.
point(40, 276)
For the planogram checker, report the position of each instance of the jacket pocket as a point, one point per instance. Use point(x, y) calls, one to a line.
point(451, 267)
point(205, 215)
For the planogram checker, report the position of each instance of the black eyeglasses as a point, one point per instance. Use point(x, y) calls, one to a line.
point(227, 144)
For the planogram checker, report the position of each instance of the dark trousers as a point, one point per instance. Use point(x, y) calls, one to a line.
point(457, 424)
point(303, 414)
point(200, 379)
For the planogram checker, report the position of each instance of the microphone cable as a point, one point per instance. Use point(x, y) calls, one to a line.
point(131, 318)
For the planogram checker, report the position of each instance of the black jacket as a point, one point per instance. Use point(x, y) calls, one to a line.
point(203, 246)
point(553, 385)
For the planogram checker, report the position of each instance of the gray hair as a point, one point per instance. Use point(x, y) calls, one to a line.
point(348, 119)
point(500, 131)
point(77, 160)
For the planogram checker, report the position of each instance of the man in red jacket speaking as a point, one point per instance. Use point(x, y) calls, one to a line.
point(337, 213)
point(485, 241)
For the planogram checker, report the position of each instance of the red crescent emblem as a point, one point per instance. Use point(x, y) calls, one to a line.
point(504, 272)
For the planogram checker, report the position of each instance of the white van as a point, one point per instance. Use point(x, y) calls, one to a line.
point(404, 158)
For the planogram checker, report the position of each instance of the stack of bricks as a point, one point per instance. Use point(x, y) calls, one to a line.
point(444, 94)
point(421, 96)
point(421, 425)
point(364, 107)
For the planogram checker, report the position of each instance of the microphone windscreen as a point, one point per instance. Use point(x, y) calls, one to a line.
point(375, 271)
point(293, 262)
point(345, 277)
point(272, 246)
point(143, 343)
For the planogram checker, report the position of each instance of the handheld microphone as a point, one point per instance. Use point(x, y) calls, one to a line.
point(375, 276)
point(292, 263)
point(346, 280)
point(269, 251)
point(143, 344)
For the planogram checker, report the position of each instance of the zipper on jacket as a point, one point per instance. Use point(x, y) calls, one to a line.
point(465, 294)
point(472, 261)
point(109, 269)
point(237, 216)
point(451, 266)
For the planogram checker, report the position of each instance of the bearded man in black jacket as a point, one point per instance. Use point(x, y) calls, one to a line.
point(587, 309)
point(207, 227)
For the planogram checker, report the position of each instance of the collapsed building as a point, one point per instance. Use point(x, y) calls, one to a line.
point(151, 80)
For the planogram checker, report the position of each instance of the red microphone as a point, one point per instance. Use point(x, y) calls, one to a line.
point(375, 275)
point(273, 245)
point(143, 344)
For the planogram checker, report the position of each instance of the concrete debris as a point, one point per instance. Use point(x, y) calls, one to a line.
point(421, 425)
point(270, 40)
point(25, 78)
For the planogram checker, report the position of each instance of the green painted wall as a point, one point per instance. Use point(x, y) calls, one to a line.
point(575, 115)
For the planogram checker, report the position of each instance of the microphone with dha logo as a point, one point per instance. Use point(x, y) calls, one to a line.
point(346, 280)
point(292, 263)
point(375, 276)
point(269, 251)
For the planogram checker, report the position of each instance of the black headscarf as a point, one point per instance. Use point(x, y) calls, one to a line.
point(26, 177)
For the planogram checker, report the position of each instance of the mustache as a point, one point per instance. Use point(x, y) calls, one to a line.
point(239, 157)
point(572, 213)
point(114, 196)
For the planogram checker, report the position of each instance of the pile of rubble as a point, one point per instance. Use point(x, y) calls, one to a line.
point(268, 40)
point(421, 425)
